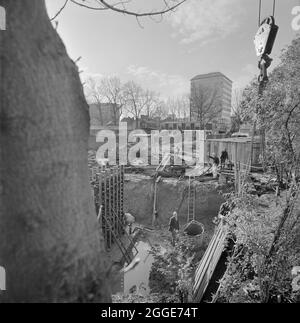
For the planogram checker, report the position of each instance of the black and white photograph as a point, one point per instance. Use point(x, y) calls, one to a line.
point(150, 154)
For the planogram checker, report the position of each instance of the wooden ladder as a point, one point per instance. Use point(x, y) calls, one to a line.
point(191, 200)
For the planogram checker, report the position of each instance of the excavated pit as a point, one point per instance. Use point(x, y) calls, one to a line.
point(172, 195)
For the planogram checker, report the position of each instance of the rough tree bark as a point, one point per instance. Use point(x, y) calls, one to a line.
point(49, 242)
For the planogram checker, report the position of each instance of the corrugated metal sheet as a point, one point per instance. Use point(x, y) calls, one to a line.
point(209, 262)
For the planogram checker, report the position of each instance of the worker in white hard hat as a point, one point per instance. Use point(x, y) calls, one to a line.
point(129, 221)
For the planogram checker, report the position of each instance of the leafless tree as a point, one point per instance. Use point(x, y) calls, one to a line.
point(137, 100)
point(107, 90)
point(112, 90)
point(93, 95)
point(50, 242)
point(205, 104)
point(173, 106)
point(180, 106)
point(185, 111)
point(152, 101)
point(160, 111)
point(236, 109)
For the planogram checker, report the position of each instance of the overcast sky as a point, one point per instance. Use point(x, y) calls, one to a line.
point(201, 36)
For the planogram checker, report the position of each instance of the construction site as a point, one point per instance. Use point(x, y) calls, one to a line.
point(149, 160)
point(134, 205)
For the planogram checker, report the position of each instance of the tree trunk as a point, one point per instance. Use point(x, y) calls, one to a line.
point(50, 245)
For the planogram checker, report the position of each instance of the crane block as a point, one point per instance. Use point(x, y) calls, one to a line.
point(265, 36)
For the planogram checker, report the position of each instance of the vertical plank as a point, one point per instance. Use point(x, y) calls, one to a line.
point(105, 208)
point(114, 202)
point(102, 202)
point(109, 203)
point(122, 197)
point(235, 168)
point(99, 191)
point(118, 197)
point(239, 178)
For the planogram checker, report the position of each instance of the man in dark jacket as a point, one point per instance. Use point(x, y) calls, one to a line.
point(174, 226)
point(224, 157)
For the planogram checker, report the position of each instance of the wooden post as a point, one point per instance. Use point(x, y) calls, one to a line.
point(239, 178)
point(113, 199)
point(189, 200)
point(107, 213)
point(154, 204)
point(110, 216)
point(235, 168)
point(155, 200)
point(100, 199)
point(194, 200)
point(122, 197)
point(104, 197)
point(117, 200)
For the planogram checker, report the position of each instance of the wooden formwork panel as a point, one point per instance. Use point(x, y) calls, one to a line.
point(208, 263)
point(108, 191)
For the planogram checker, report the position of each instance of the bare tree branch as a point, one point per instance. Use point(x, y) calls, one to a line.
point(139, 23)
point(166, 9)
point(60, 10)
point(105, 5)
point(87, 6)
point(289, 136)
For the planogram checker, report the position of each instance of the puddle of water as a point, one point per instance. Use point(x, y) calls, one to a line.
point(137, 279)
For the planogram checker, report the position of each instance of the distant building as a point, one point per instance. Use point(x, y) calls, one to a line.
point(183, 125)
point(103, 114)
point(132, 123)
point(148, 123)
point(170, 123)
point(213, 92)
